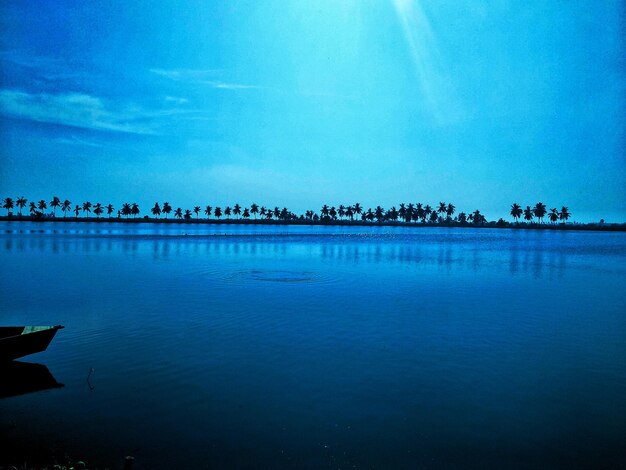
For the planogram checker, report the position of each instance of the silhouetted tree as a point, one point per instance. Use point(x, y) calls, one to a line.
point(516, 212)
point(450, 210)
point(97, 209)
point(66, 206)
point(76, 210)
point(564, 214)
point(246, 213)
point(237, 210)
point(110, 210)
point(134, 209)
point(196, 211)
point(341, 211)
point(126, 210)
point(217, 212)
point(539, 211)
point(41, 205)
point(166, 208)
point(20, 203)
point(254, 210)
point(56, 202)
point(187, 214)
point(462, 218)
point(32, 208)
point(333, 213)
point(207, 211)
point(178, 213)
point(357, 209)
point(554, 215)
point(528, 214)
point(156, 210)
point(87, 207)
point(227, 212)
point(8, 204)
point(433, 216)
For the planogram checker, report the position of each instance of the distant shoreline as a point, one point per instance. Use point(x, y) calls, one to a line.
point(606, 227)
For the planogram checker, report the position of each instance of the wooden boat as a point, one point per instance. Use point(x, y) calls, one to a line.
point(20, 341)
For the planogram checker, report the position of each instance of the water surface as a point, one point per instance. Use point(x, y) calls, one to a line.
point(310, 347)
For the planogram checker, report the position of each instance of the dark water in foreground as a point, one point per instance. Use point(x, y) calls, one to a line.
point(323, 347)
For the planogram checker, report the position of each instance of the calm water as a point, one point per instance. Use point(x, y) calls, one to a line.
point(323, 347)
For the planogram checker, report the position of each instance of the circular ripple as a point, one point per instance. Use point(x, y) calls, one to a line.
point(274, 276)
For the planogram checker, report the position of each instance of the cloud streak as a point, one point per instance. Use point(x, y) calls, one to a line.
point(83, 111)
point(205, 77)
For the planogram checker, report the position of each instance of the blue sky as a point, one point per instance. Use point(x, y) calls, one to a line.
point(302, 103)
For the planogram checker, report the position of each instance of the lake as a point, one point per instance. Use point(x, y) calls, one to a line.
point(241, 346)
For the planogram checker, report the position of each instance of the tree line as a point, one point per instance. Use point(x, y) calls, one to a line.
point(405, 212)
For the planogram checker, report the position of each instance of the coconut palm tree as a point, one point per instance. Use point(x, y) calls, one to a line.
point(237, 210)
point(564, 214)
point(66, 206)
point(540, 211)
point(32, 208)
point(41, 205)
point(134, 209)
point(217, 212)
point(427, 212)
point(369, 215)
point(528, 214)
point(76, 210)
point(196, 211)
point(357, 209)
point(276, 212)
point(187, 215)
point(126, 209)
point(110, 210)
point(254, 210)
point(516, 212)
point(433, 216)
point(87, 207)
point(341, 211)
point(246, 213)
point(156, 210)
point(402, 211)
point(333, 213)
point(97, 209)
point(324, 211)
point(554, 215)
point(21, 203)
point(8, 204)
point(227, 212)
point(178, 213)
point(478, 218)
point(56, 202)
point(207, 211)
point(349, 212)
point(462, 218)
point(420, 213)
point(450, 210)
point(166, 208)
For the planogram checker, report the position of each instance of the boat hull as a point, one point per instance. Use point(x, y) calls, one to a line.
point(20, 341)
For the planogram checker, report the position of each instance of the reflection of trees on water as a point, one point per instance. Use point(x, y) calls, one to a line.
point(528, 255)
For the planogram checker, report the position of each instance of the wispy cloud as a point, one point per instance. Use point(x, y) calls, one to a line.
point(207, 77)
point(81, 110)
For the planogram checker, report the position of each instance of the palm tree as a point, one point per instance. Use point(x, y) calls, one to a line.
point(333, 213)
point(528, 214)
point(196, 210)
point(349, 212)
point(126, 209)
point(227, 212)
point(564, 214)
point(254, 210)
point(188, 214)
point(134, 209)
point(427, 212)
point(516, 212)
point(41, 205)
point(462, 218)
point(540, 211)
point(178, 213)
point(276, 212)
point(433, 216)
point(237, 210)
point(554, 215)
point(217, 212)
point(32, 208)
point(110, 210)
point(442, 208)
point(357, 209)
point(66, 206)
point(207, 211)
point(156, 210)
point(369, 215)
point(8, 204)
point(341, 211)
point(97, 209)
point(420, 213)
point(166, 208)
point(56, 202)
point(246, 213)
point(478, 218)
point(450, 210)
point(324, 211)
point(87, 207)
point(21, 203)
point(76, 210)
point(402, 212)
